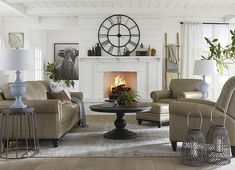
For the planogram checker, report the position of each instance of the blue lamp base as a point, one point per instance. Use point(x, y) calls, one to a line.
point(18, 89)
point(204, 88)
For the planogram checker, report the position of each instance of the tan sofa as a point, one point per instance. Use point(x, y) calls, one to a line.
point(224, 105)
point(179, 88)
point(54, 119)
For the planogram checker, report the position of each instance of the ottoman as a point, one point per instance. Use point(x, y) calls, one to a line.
point(158, 114)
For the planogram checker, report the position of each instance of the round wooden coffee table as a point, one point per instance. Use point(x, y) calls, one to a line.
point(120, 132)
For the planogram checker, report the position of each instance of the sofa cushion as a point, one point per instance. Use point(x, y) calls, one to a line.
point(69, 111)
point(35, 91)
point(60, 96)
point(7, 92)
point(184, 85)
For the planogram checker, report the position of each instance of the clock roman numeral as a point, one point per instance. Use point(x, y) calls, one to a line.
point(135, 35)
point(127, 21)
point(111, 21)
point(118, 51)
point(132, 27)
point(103, 35)
point(104, 43)
point(133, 43)
point(119, 19)
point(110, 49)
point(105, 27)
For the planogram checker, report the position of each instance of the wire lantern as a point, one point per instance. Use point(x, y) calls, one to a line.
point(192, 151)
point(217, 150)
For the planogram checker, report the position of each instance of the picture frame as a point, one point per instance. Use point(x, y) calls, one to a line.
point(16, 39)
point(66, 60)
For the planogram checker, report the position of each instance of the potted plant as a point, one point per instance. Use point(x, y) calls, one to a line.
point(222, 55)
point(51, 72)
point(128, 98)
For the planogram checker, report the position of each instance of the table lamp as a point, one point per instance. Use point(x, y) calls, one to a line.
point(17, 60)
point(204, 67)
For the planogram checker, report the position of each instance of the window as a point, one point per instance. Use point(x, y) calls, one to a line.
point(38, 74)
point(221, 32)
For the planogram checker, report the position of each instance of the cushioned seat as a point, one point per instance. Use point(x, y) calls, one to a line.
point(159, 113)
point(224, 105)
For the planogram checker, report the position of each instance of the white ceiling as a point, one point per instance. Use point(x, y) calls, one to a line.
point(167, 8)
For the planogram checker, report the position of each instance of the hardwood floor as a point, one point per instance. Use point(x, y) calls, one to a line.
point(150, 163)
point(154, 163)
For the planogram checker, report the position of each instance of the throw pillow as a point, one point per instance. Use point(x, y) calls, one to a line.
point(60, 96)
point(55, 87)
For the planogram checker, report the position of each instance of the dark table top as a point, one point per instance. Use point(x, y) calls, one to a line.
point(121, 108)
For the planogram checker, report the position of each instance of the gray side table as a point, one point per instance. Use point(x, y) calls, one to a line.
point(18, 135)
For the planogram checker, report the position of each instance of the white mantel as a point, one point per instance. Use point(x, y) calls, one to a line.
point(92, 69)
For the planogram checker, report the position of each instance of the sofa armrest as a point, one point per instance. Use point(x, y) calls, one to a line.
point(162, 94)
point(50, 106)
point(191, 95)
point(77, 94)
point(200, 101)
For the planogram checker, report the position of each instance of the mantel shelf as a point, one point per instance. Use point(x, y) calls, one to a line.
point(120, 57)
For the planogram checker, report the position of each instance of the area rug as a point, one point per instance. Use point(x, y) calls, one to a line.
point(89, 142)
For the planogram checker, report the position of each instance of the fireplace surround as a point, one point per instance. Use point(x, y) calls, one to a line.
point(92, 70)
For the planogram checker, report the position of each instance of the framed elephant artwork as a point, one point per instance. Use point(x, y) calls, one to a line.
point(66, 59)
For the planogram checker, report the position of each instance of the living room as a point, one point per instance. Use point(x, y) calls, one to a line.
point(117, 84)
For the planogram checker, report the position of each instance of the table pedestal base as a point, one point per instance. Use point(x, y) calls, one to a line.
point(120, 132)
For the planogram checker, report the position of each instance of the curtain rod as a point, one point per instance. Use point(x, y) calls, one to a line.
point(218, 23)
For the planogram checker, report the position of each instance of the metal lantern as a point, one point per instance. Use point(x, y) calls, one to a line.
point(192, 151)
point(217, 149)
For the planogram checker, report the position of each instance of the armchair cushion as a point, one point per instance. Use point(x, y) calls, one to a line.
point(178, 86)
point(191, 94)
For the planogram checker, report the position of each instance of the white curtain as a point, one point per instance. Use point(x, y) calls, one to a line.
point(192, 38)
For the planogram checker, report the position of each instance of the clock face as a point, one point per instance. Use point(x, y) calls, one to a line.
point(118, 32)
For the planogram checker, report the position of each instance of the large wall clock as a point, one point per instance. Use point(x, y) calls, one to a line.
point(118, 32)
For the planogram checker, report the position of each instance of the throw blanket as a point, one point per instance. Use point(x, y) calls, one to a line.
point(172, 53)
point(78, 101)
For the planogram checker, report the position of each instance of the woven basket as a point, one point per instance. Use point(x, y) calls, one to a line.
point(192, 151)
point(217, 150)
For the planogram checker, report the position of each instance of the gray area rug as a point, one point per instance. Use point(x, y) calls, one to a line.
point(89, 142)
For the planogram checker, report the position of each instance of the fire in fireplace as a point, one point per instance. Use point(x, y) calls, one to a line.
point(117, 82)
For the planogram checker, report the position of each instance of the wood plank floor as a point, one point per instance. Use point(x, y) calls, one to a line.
point(150, 163)
point(153, 163)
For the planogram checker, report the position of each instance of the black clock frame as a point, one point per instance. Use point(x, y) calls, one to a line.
point(107, 35)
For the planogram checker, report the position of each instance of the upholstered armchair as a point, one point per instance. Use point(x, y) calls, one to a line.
point(178, 89)
point(224, 105)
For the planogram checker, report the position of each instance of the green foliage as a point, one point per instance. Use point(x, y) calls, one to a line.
point(222, 55)
point(128, 97)
point(51, 72)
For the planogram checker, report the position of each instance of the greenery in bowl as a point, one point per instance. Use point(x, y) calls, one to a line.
point(128, 98)
point(51, 73)
point(222, 55)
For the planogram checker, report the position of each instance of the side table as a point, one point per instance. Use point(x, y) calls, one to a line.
point(18, 135)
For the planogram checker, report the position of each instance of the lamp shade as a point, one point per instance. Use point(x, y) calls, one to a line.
point(205, 67)
point(17, 59)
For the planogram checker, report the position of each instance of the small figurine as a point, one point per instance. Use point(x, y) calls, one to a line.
point(153, 52)
point(98, 50)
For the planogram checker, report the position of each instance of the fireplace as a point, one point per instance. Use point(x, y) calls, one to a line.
point(115, 82)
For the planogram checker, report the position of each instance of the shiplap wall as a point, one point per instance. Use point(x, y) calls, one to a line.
point(87, 32)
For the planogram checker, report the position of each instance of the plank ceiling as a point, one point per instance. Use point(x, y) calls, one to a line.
point(167, 8)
